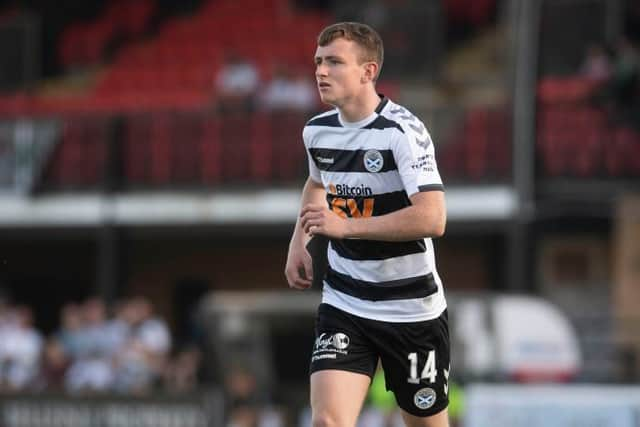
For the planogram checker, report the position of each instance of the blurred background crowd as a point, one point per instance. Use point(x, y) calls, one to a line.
point(127, 351)
point(150, 168)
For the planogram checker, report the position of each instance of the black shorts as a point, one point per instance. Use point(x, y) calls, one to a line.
point(414, 356)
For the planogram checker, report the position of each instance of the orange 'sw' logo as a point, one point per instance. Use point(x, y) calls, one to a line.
point(349, 207)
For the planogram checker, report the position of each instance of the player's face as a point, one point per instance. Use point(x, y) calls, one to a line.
point(339, 74)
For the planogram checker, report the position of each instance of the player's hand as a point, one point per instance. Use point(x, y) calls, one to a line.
point(318, 219)
point(299, 268)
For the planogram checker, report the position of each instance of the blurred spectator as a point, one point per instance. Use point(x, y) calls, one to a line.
point(94, 337)
point(241, 385)
point(69, 333)
point(596, 64)
point(182, 374)
point(237, 84)
point(117, 329)
point(243, 416)
point(55, 363)
point(288, 90)
point(626, 72)
point(20, 347)
point(241, 389)
point(620, 94)
point(89, 374)
point(92, 369)
point(152, 331)
point(140, 363)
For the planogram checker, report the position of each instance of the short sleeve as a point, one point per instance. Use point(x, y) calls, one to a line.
point(314, 172)
point(414, 153)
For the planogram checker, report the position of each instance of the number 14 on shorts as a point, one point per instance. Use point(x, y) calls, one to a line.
point(428, 372)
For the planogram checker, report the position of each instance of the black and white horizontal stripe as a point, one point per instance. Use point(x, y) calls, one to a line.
point(392, 281)
point(361, 249)
point(382, 203)
point(400, 289)
point(348, 160)
point(380, 270)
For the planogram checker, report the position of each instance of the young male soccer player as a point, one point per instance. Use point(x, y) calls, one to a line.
point(374, 190)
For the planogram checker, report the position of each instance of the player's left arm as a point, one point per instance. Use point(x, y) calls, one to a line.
point(426, 217)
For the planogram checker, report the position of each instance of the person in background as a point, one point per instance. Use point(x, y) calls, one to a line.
point(91, 369)
point(288, 90)
point(237, 84)
point(182, 373)
point(596, 65)
point(141, 362)
point(20, 348)
point(54, 365)
point(69, 333)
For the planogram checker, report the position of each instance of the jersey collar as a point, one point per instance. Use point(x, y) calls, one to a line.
point(383, 103)
point(360, 123)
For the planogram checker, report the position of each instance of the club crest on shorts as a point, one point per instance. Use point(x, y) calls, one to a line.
point(373, 161)
point(424, 398)
point(340, 341)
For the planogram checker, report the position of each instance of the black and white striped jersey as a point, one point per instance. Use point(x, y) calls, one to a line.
point(371, 168)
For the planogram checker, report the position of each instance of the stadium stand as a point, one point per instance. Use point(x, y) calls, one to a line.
point(577, 138)
point(86, 43)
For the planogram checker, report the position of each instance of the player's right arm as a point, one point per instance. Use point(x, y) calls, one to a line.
point(298, 270)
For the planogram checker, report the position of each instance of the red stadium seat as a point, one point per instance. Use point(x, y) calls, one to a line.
point(80, 157)
point(288, 158)
point(236, 135)
point(477, 144)
point(136, 149)
point(211, 150)
point(262, 151)
point(185, 141)
point(161, 131)
point(500, 149)
point(619, 153)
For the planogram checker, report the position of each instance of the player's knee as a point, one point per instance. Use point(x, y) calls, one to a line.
point(324, 419)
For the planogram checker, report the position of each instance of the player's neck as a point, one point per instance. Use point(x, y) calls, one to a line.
point(360, 107)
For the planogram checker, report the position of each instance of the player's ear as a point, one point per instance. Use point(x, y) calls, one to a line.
point(370, 71)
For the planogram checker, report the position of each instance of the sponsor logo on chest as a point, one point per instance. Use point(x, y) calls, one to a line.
point(349, 190)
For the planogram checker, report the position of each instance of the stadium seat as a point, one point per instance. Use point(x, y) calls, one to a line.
point(236, 133)
point(80, 157)
point(620, 152)
point(288, 157)
point(185, 157)
point(211, 151)
point(136, 150)
point(160, 145)
point(86, 43)
point(476, 144)
point(262, 150)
